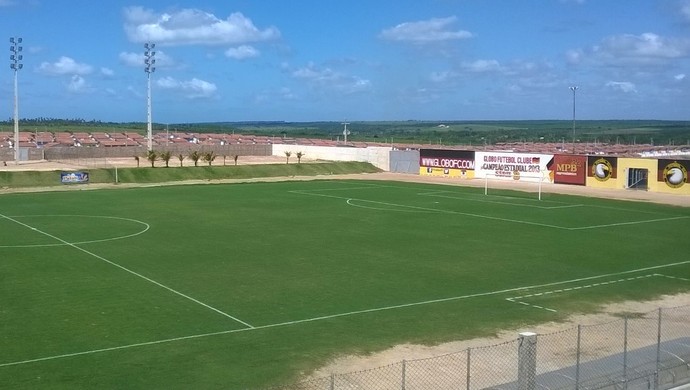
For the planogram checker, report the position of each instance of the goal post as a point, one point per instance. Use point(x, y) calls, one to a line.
point(531, 183)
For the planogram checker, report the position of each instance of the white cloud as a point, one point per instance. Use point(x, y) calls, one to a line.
point(482, 66)
point(192, 89)
point(107, 72)
point(574, 56)
point(684, 9)
point(330, 79)
point(628, 49)
point(425, 31)
point(78, 84)
point(679, 77)
point(65, 66)
point(645, 45)
point(622, 86)
point(193, 27)
point(135, 92)
point(242, 52)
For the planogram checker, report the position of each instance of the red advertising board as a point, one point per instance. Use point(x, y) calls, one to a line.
point(568, 169)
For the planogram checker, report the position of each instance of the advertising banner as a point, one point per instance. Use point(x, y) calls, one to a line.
point(569, 169)
point(673, 172)
point(513, 166)
point(445, 162)
point(74, 177)
point(602, 168)
point(443, 158)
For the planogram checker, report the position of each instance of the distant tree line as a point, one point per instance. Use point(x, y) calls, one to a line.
point(657, 132)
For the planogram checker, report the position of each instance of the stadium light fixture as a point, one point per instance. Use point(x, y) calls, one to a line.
point(16, 64)
point(346, 132)
point(149, 62)
point(574, 88)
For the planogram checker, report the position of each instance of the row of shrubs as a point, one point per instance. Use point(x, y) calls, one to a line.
point(208, 157)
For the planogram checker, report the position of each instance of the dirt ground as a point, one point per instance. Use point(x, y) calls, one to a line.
point(346, 364)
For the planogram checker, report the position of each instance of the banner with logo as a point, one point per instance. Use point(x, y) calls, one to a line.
point(446, 162)
point(74, 177)
point(569, 169)
point(513, 166)
point(602, 168)
point(673, 172)
point(443, 158)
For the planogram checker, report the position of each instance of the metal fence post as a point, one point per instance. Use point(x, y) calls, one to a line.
point(403, 375)
point(527, 361)
point(658, 351)
point(577, 358)
point(469, 354)
point(625, 352)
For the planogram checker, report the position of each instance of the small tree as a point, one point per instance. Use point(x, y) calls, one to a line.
point(287, 157)
point(195, 156)
point(166, 156)
point(236, 157)
point(299, 157)
point(136, 158)
point(209, 157)
point(152, 156)
point(181, 158)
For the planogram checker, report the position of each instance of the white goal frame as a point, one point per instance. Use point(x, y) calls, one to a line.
point(534, 178)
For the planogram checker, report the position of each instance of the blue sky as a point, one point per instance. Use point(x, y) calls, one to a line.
point(335, 60)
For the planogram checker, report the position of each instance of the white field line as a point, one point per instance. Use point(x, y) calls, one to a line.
point(673, 277)
point(520, 299)
point(146, 228)
point(349, 200)
point(338, 189)
point(332, 316)
point(628, 223)
point(439, 195)
point(127, 270)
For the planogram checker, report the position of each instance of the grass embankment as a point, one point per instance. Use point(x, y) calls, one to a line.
point(172, 174)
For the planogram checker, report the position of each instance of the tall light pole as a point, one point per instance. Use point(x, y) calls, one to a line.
point(574, 88)
point(346, 132)
point(15, 65)
point(149, 68)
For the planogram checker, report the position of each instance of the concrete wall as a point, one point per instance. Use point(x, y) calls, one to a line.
point(376, 155)
point(404, 161)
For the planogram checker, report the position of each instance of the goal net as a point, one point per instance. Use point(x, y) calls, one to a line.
point(531, 184)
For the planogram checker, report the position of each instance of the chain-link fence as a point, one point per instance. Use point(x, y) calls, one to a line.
point(648, 351)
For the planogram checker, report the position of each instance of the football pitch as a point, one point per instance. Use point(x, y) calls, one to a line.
point(252, 285)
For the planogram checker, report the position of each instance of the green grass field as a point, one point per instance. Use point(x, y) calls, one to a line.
point(251, 285)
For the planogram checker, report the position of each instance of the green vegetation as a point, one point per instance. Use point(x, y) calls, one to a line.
point(418, 132)
point(157, 175)
point(117, 288)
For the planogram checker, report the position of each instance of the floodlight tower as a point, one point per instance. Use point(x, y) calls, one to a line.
point(15, 65)
point(345, 131)
point(574, 88)
point(149, 62)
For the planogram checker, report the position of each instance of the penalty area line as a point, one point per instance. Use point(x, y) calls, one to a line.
point(333, 316)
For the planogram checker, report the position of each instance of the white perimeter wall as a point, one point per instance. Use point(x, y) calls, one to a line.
point(378, 156)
